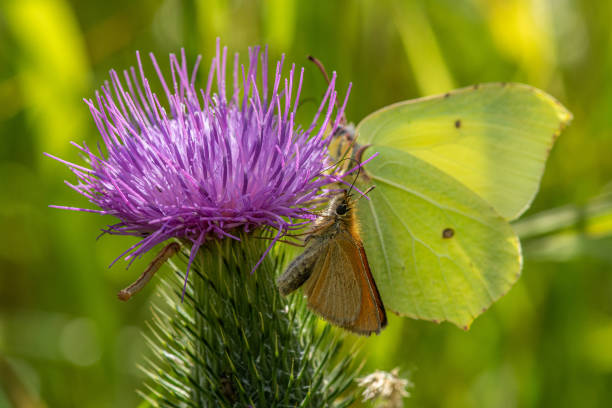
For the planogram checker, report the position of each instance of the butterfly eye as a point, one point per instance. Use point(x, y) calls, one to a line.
point(341, 209)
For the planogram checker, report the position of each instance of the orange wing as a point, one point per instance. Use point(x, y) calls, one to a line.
point(372, 316)
point(341, 288)
point(332, 290)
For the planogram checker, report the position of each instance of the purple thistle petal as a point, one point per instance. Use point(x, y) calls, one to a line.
point(210, 164)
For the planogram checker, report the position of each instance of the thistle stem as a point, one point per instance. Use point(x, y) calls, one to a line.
point(236, 342)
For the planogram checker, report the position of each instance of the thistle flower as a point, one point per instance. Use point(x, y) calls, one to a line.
point(208, 168)
point(211, 164)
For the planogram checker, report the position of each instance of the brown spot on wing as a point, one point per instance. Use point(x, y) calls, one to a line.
point(448, 233)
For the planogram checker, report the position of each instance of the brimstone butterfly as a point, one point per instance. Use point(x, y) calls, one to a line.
point(452, 171)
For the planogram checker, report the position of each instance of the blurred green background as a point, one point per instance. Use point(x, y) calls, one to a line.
point(66, 341)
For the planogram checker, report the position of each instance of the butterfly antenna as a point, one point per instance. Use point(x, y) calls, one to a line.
point(336, 164)
point(355, 180)
point(356, 176)
point(365, 193)
point(319, 65)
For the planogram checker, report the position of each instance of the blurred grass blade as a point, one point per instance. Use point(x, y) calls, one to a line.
point(523, 31)
point(53, 69)
point(421, 46)
point(593, 219)
point(568, 232)
point(279, 23)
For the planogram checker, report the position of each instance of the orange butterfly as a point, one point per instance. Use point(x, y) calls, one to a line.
point(335, 272)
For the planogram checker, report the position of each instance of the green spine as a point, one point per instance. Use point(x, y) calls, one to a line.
point(236, 342)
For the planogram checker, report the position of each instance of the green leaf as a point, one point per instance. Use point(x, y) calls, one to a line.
point(493, 138)
point(420, 272)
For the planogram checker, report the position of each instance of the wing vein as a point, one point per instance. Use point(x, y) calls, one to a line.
point(429, 200)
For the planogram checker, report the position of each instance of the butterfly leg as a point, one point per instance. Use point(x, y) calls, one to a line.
point(167, 252)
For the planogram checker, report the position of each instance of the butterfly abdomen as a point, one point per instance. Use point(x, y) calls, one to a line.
point(298, 271)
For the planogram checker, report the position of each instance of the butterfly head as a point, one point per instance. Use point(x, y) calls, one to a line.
point(342, 205)
point(342, 209)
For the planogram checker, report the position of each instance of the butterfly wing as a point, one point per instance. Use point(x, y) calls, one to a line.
point(372, 316)
point(452, 170)
point(437, 250)
point(333, 291)
point(493, 138)
point(341, 288)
